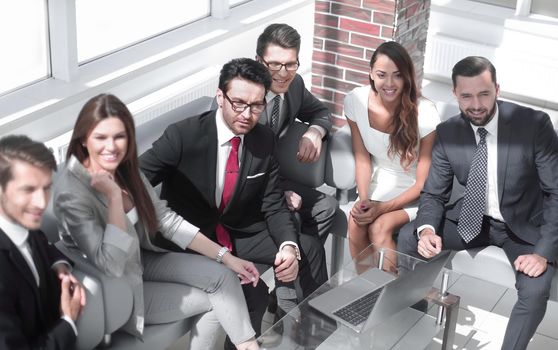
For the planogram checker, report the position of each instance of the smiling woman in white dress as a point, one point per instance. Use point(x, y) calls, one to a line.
point(393, 130)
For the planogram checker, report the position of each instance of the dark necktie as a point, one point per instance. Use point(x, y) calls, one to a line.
point(41, 268)
point(474, 201)
point(274, 119)
point(231, 175)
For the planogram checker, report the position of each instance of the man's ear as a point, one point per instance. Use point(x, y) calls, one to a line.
point(219, 97)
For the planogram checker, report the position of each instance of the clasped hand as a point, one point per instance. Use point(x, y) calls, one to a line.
point(310, 146)
point(365, 212)
point(286, 264)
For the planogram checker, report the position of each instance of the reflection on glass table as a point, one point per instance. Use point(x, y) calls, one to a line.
point(377, 301)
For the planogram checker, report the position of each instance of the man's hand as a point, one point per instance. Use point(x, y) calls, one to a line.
point(366, 211)
point(63, 271)
point(429, 244)
point(72, 298)
point(533, 265)
point(286, 264)
point(294, 201)
point(310, 146)
point(245, 270)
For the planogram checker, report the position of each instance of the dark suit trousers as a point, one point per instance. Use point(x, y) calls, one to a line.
point(261, 249)
point(317, 211)
point(532, 293)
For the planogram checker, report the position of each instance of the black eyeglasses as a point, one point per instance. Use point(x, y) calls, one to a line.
point(276, 66)
point(239, 107)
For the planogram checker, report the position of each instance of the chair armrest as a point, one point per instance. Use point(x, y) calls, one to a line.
point(117, 294)
point(340, 161)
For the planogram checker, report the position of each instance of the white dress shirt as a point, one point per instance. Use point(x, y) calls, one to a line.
point(18, 235)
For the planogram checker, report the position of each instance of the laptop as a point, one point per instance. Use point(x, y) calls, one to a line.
point(375, 295)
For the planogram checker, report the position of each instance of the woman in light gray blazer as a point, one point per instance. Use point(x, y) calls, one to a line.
point(109, 211)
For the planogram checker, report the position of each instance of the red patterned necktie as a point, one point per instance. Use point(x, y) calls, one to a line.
point(231, 174)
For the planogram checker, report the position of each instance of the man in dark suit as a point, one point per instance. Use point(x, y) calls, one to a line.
point(507, 156)
point(195, 159)
point(39, 298)
point(288, 99)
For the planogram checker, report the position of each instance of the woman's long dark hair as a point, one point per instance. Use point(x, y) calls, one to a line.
point(404, 135)
point(109, 106)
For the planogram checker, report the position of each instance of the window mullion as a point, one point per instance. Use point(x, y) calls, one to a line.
point(63, 39)
point(220, 8)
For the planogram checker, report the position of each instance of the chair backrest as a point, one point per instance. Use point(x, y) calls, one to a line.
point(308, 174)
point(340, 161)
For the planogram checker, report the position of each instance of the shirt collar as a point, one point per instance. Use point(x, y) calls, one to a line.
point(16, 233)
point(224, 134)
point(271, 95)
point(492, 126)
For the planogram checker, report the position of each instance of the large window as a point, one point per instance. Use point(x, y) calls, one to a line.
point(104, 26)
point(24, 43)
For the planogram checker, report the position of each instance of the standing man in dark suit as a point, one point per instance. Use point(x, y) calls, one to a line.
point(288, 99)
point(219, 173)
point(507, 156)
point(39, 298)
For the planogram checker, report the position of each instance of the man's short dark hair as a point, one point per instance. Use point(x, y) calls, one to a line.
point(279, 34)
point(22, 148)
point(247, 69)
point(471, 67)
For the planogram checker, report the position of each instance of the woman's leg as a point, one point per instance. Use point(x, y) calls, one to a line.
point(358, 237)
point(220, 283)
point(169, 302)
point(381, 231)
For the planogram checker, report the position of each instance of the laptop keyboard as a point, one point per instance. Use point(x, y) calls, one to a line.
point(357, 312)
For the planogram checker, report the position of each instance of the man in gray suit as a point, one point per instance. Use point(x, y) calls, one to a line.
point(507, 157)
point(288, 99)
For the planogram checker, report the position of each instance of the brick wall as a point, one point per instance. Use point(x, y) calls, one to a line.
point(346, 33)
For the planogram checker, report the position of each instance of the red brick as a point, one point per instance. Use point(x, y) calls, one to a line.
point(361, 27)
point(366, 41)
point(322, 6)
point(387, 32)
point(353, 63)
point(380, 5)
point(323, 57)
point(316, 80)
point(338, 84)
point(338, 97)
point(318, 44)
point(383, 18)
point(331, 33)
point(322, 94)
point(334, 108)
point(351, 12)
point(411, 10)
point(343, 49)
point(326, 20)
point(349, 2)
point(326, 70)
point(357, 77)
point(369, 54)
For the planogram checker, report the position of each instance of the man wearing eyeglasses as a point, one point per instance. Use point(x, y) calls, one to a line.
point(288, 99)
point(219, 172)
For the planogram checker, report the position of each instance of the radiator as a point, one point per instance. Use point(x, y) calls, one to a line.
point(149, 107)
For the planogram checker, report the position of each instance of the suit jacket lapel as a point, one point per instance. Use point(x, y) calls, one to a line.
point(467, 152)
point(208, 161)
point(504, 132)
point(22, 267)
